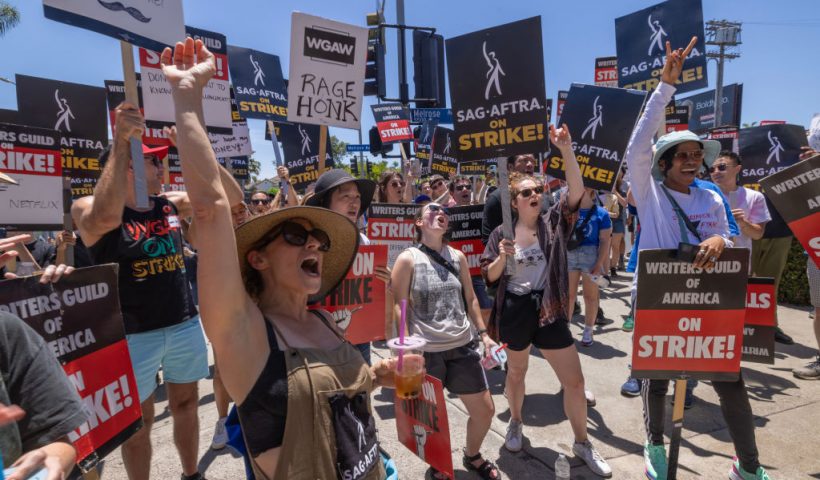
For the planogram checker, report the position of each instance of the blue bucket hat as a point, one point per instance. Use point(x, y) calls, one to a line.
point(711, 149)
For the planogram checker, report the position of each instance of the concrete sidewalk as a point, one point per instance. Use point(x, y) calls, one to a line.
point(787, 416)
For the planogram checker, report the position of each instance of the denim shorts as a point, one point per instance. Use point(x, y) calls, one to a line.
point(179, 349)
point(582, 258)
point(618, 225)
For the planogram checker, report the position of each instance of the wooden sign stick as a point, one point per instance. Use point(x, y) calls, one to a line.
point(129, 76)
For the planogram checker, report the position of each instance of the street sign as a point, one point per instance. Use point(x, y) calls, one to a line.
point(350, 148)
point(436, 115)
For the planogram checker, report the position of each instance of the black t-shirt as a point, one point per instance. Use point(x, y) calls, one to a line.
point(154, 291)
point(33, 379)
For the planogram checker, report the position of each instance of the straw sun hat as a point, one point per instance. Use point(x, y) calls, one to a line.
point(344, 241)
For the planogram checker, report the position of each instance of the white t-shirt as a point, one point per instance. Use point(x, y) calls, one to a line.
point(754, 207)
point(530, 270)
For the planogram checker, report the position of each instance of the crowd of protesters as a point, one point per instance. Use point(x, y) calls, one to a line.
point(260, 260)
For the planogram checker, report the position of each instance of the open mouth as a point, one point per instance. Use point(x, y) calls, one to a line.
point(311, 267)
point(441, 221)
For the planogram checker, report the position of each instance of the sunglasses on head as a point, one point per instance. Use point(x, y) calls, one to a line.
point(397, 184)
point(694, 155)
point(437, 208)
point(528, 192)
point(463, 187)
point(260, 201)
point(297, 235)
point(719, 168)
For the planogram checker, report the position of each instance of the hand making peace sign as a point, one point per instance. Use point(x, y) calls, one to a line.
point(674, 62)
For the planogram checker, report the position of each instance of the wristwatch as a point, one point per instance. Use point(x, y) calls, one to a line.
point(482, 331)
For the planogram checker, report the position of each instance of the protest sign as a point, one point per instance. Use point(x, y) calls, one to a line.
point(465, 234)
point(327, 67)
point(641, 37)
point(115, 91)
point(727, 136)
point(424, 144)
point(771, 122)
point(503, 113)
point(392, 224)
point(9, 116)
point(393, 122)
point(767, 150)
point(156, 91)
point(175, 180)
point(79, 318)
point(78, 113)
point(31, 156)
point(234, 145)
point(239, 168)
point(357, 305)
point(794, 193)
point(270, 128)
point(300, 143)
point(472, 168)
point(600, 120)
point(444, 154)
point(760, 324)
point(559, 108)
point(423, 427)
point(153, 25)
point(606, 72)
point(689, 321)
point(677, 118)
point(258, 83)
point(702, 108)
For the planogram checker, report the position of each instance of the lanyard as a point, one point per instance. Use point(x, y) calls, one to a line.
point(683, 221)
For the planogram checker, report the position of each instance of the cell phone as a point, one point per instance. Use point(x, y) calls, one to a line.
point(687, 252)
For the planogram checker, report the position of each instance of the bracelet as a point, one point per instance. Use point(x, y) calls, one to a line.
point(482, 331)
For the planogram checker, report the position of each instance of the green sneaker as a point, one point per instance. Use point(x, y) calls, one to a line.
point(737, 473)
point(629, 324)
point(654, 457)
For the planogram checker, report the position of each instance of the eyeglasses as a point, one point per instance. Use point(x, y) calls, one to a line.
point(463, 187)
point(432, 207)
point(693, 155)
point(397, 184)
point(437, 184)
point(719, 168)
point(297, 235)
point(260, 201)
point(527, 192)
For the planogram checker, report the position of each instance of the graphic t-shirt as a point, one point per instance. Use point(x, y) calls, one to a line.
point(600, 221)
point(530, 270)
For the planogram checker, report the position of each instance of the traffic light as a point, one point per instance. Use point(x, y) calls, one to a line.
point(368, 168)
point(374, 81)
point(376, 145)
point(428, 68)
point(354, 166)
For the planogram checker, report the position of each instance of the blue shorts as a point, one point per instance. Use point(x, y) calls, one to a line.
point(480, 289)
point(179, 349)
point(582, 258)
point(618, 225)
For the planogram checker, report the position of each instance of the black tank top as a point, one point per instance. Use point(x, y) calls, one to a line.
point(154, 291)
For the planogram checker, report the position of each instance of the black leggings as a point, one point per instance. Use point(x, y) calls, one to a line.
point(734, 402)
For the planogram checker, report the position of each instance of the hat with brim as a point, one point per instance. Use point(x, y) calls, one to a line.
point(344, 241)
point(332, 179)
point(6, 179)
point(160, 152)
point(711, 149)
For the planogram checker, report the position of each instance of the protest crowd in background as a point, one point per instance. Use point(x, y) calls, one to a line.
point(124, 260)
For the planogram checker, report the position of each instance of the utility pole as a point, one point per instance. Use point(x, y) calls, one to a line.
point(726, 36)
point(404, 89)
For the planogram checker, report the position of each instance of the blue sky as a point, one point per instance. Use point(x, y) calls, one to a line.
point(778, 66)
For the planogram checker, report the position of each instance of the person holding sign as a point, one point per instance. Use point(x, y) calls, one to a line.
point(530, 306)
point(443, 309)
point(694, 221)
point(255, 284)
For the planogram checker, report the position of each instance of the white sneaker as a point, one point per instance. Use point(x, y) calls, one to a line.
point(590, 398)
point(514, 440)
point(220, 435)
point(592, 458)
point(586, 338)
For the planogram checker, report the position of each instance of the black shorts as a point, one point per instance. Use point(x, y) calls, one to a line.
point(519, 328)
point(459, 369)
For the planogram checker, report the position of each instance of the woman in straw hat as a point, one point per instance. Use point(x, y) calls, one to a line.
point(301, 390)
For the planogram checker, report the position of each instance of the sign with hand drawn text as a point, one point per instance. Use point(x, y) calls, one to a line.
point(153, 25)
point(641, 37)
point(767, 150)
point(689, 321)
point(423, 427)
point(496, 79)
point(392, 224)
point(300, 145)
point(760, 323)
point(327, 67)
point(465, 234)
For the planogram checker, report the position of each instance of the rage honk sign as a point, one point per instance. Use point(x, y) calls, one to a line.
point(423, 427)
point(689, 321)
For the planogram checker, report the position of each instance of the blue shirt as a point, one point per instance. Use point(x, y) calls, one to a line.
point(599, 221)
point(706, 185)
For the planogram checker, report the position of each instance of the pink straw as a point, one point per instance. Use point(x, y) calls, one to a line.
point(402, 328)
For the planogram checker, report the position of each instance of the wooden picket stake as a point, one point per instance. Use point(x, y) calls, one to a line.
point(129, 76)
point(322, 149)
point(677, 428)
point(506, 209)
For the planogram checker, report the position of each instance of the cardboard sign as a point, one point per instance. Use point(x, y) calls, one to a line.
point(497, 90)
point(300, 143)
point(115, 91)
point(606, 72)
point(156, 91)
point(153, 25)
point(465, 234)
point(689, 322)
point(78, 113)
point(234, 145)
point(794, 193)
point(327, 68)
point(392, 224)
point(767, 150)
point(641, 37)
point(393, 122)
point(702, 108)
point(727, 136)
point(31, 156)
point(760, 323)
point(79, 318)
point(444, 153)
point(258, 84)
point(357, 304)
point(559, 109)
point(423, 427)
point(600, 120)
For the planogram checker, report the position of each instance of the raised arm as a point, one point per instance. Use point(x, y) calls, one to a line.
point(575, 184)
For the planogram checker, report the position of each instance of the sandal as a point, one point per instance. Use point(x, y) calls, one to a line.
point(485, 470)
point(433, 474)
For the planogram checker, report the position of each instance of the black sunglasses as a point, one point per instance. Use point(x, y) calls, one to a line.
point(297, 235)
point(260, 201)
point(463, 187)
point(436, 184)
point(527, 192)
point(719, 168)
point(397, 183)
point(437, 208)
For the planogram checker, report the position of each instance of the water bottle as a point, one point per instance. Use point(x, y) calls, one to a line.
point(562, 468)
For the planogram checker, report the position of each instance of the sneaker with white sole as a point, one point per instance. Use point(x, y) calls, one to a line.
point(654, 457)
point(737, 473)
point(586, 338)
point(590, 398)
point(514, 440)
point(810, 371)
point(220, 435)
point(586, 452)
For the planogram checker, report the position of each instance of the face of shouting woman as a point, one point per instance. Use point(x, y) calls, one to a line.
point(527, 199)
point(434, 220)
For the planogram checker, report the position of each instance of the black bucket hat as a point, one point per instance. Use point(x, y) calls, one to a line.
point(332, 179)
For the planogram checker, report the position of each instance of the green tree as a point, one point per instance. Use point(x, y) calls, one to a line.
point(338, 148)
point(9, 17)
point(254, 168)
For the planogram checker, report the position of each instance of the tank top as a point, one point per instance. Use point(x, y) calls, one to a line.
point(436, 309)
point(154, 291)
